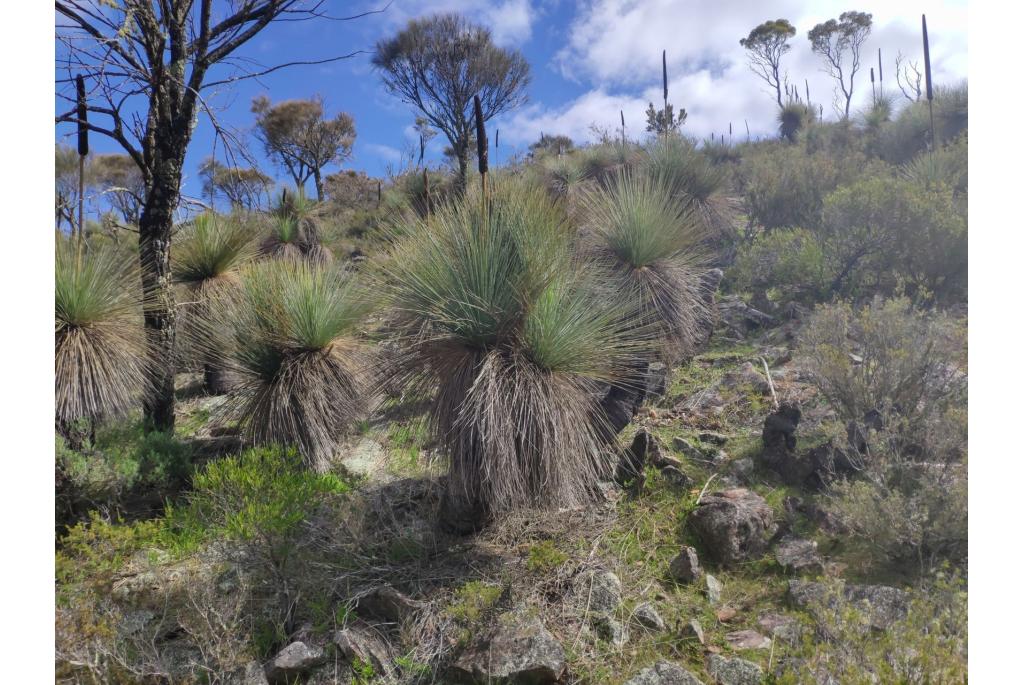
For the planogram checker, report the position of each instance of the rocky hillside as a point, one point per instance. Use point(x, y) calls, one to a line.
point(717, 557)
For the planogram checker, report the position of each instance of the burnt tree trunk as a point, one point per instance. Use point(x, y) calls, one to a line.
point(155, 258)
point(319, 181)
point(462, 153)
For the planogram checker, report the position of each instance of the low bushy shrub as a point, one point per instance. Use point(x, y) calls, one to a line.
point(895, 375)
point(785, 186)
point(881, 233)
point(785, 265)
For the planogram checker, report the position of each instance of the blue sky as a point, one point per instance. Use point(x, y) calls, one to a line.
point(589, 59)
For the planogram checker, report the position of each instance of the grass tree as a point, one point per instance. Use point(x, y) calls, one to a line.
point(649, 242)
point(295, 230)
point(500, 319)
point(208, 257)
point(101, 357)
point(303, 370)
point(696, 180)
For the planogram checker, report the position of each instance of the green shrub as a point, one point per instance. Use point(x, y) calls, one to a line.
point(649, 244)
point(793, 118)
point(928, 645)
point(787, 265)
point(895, 376)
point(261, 496)
point(544, 556)
point(900, 140)
point(882, 233)
point(946, 167)
point(695, 180)
point(784, 186)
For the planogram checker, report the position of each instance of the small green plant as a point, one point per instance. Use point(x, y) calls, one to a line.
point(473, 600)
point(545, 556)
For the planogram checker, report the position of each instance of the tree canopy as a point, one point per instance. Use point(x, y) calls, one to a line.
point(766, 44)
point(296, 134)
point(661, 121)
point(438, 63)
point(839, 43)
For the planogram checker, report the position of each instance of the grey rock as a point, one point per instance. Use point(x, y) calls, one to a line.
point(740, 318)
point(797, 555)
point(734, 525)
point(785, 628)
point(743, 469)
point(388, 604)
point(747, 639)
point(517, 650)
point(685, 568)
point(881, 604)
point(688, 450)
point(746, 375)
point(664, 673)
point(611, 630)
point(250, 674)
point(712, 437)
point(647, 616)
point(600, 591)
point(691, 630)
point(734, 671)
point(713, 588)
point(657, 381)
point(676, 477)
point(293, 661)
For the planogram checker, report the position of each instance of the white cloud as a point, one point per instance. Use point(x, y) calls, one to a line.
point(614, 46)
point(384, 152)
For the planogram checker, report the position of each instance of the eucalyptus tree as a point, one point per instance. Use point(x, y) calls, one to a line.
point(438, 63)
point(839, 43)
point(765, 45)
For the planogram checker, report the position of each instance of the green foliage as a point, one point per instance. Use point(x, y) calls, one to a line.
point(124, 458)
point(93, 551)
point(884, 355)
point(211, 247)
point(896, 376)
point(881, 232)
point(787, 186)
point(787, 264)
point(946, 167)
point(793, 118)
point(262, 495)
point(928, 645)
point(544, 556)
point(880, 111)
point(664, 120)
point(650, 244)
point(473, 600)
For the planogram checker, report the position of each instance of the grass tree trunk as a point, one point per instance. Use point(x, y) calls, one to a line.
point(155, 259)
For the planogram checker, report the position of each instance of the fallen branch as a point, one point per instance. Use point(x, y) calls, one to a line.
point(771, 385)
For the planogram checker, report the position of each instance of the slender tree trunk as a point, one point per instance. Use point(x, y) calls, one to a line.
point(319, 181)
point(155, 225)
point(462, 152)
